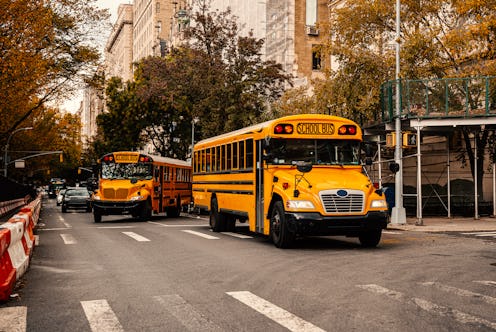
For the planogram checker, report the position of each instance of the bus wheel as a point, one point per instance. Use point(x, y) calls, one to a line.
point(230, 223)
point(175, 211)
point(279, 231)
point(97, 216)
point(217, 220)
point(146, 211)
point(371, 238)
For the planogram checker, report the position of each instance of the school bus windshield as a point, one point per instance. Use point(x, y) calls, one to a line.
point(126, 171)
point(316, 151)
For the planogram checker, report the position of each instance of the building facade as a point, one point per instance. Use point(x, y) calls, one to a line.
point(119, 48)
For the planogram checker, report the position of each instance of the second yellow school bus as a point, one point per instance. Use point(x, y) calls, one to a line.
point(296, 175)
point(139, 184)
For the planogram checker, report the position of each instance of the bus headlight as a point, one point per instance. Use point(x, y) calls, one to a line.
point(137, 198)
point(299, 205)
point(378, 204)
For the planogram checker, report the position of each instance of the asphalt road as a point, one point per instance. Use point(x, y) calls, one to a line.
point(176, 275)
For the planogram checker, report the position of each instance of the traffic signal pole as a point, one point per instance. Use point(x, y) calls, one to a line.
point(398, 214)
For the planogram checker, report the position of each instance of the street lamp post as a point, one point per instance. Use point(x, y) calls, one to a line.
point(5, 162)
point(398, 211)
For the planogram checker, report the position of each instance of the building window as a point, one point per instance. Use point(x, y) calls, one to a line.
point(311, 12)
point(316, 57)
point(158, 8)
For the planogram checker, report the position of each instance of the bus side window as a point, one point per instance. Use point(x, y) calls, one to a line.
point(208, 156)
point(217, 158)
point(242, 155)
point(166, 173)
point(195, 166)
point(224, 158)
point(229, 157)
point(235, 157)
point(249, 153)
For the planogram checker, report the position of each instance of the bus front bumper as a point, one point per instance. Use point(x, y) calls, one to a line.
point(311, 223)
point(116, 207)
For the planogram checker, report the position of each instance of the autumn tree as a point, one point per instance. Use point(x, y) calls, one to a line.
point(46, 49)
point(121, 127)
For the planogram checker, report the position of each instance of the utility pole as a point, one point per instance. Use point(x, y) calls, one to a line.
point(398, 212)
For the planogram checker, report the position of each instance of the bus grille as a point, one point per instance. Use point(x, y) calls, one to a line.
point(342, 201)
point(111, 193)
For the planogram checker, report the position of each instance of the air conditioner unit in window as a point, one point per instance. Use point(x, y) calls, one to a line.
point(312, 30)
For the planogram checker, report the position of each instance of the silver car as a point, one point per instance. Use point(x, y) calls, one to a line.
point(76, 198)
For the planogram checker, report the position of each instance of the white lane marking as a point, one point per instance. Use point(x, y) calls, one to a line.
point(206, 236)
point(68, 239)
point(461, 292)
point(13, 319)
point(429, 306)
point(486, 282)
point(62, 220)
point(390, 232)
point(115, 227)
point(36, 240)
point(183, 225)
point(186, 314)
point(240, 236)
point(52, 229)
point(137, 237)
point(277, 314)
point(481, 233)
point(100, 316)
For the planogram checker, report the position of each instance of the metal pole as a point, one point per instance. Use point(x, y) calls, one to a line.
point(494, 189)
point(476, 200)
point(420, 222)
point(449, 176)
point(379, 159)
point(398, 212)
point(5, 163)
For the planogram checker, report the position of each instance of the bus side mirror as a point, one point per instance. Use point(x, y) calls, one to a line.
point(368, 161)
point(368, 150)
point(95, 170)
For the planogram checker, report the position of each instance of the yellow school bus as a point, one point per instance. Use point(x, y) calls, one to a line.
point(138, 184)
point(294, 176)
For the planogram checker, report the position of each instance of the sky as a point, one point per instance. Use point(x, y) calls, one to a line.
point(72, 105)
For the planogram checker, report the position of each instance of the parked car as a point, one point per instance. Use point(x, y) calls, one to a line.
point(60, 196)
point(76, 198)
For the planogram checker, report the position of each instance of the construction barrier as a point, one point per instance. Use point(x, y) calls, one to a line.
point(16, 246)
point(8, 206)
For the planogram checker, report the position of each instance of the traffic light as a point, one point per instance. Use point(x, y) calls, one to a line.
point(391, 140)
point(409, 139)
point(79, 170)
point(61, 157)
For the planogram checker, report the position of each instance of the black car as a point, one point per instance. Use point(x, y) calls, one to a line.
point(76, 198)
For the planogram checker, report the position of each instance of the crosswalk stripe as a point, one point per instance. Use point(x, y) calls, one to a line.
point(68, 239)
point(431, 307)
point(186, 314)
point(277, 314)
point(135, 236)
point(183, 225)
point(481, 233)
point(461, 292)
point(240, 236)
point(206, 236)
point(101, 316)
point(13, 319)
point(486, 282)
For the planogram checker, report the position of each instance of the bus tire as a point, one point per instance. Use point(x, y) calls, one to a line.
point(146, 211)
point(370, 238)
point(97, 216)
point(174, 211)
point(230, 223)
point(217, 220)
point(280, 234)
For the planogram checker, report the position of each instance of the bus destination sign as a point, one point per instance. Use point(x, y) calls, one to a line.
point(315, 128)
point(130, 158)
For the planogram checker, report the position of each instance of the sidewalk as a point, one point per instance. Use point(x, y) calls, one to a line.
point(443, 224)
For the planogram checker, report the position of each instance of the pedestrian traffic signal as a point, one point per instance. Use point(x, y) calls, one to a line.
point(409, 139)
point(391, 140)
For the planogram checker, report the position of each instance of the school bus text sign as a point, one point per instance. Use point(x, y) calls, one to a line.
point(315, 128)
